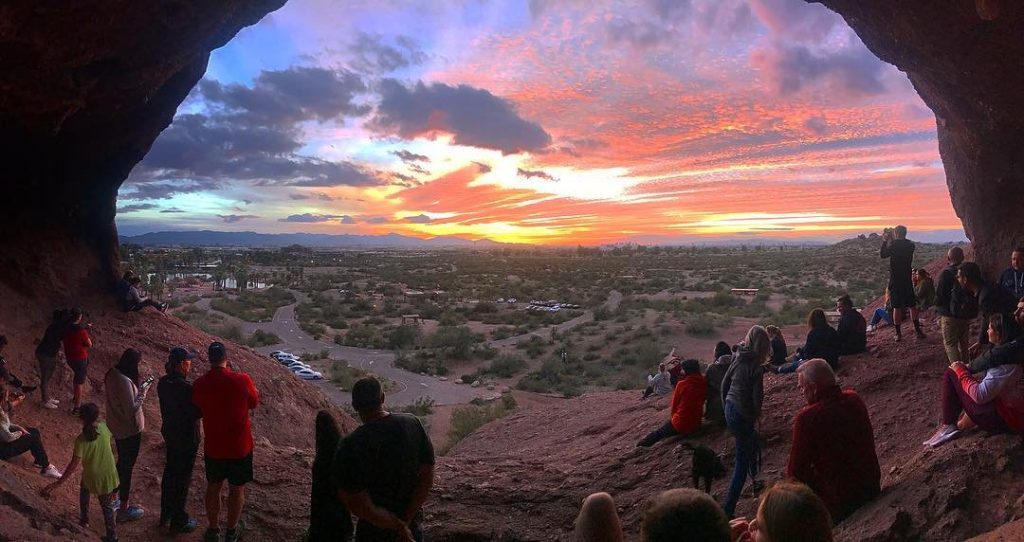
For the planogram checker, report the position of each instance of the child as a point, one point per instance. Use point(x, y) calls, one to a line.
point(99, 475)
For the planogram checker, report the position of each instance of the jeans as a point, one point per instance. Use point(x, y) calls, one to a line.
point(177, 477)
point(955, 400)
point(746, 454)
point(127, 453)
point(29, 442)
point(108, 504)
point(880, 315)
point(660, 433)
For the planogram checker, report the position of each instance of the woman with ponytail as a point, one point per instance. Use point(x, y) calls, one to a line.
point(99, 475)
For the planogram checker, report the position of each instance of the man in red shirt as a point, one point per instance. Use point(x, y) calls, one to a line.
point(687, 405)
point(224, 399)
point(833, 444)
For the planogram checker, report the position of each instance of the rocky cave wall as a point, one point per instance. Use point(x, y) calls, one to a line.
point(86, 87)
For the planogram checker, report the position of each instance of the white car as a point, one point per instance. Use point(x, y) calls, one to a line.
point(297, 365)
point(308, 374)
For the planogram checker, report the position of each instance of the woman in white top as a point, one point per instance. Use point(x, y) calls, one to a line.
point(15, 440)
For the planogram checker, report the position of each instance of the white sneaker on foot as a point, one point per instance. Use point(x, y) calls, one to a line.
point(942, 435)
point(51, 472)
point(870, 328)
point(52, 404)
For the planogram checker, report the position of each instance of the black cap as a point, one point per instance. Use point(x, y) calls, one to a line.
point(179, 354)
point(217, 352)
point(366, 394)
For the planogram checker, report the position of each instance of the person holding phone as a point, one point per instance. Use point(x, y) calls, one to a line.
point(126, 392)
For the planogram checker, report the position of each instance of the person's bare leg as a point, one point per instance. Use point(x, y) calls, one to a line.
point(236, 500)
point(598, 520)
point(213, 504)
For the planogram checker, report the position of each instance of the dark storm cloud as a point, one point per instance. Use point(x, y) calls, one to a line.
point(407, 156)
point(847, 74)
point(135, 207)
point(140, 188)
point(373, 53)
point(474, 116)
point(531, 174)
point(417, 219)
point(231, 219)
point(310, 218)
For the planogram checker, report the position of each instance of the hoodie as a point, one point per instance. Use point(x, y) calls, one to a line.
point(1013, 282)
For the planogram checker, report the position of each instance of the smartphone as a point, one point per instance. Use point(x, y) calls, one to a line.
point(148, 382)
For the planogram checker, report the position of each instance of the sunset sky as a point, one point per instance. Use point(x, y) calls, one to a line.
point(546, 121)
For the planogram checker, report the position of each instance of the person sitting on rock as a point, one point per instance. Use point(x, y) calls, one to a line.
point(714, 411)
point(687, 405)
point(974, 296)
point(15, 440)
point(1006, 353)
point(686, 512)
point(852, 332)
point(789, 512)
point(924, 289)
point(995, 404)
point(833, 449)
point(659, 384)
point(779, 349)
point(136, 301)
point(122, 288)
point(1012, 279)
point(822, 342)
point(882, 315)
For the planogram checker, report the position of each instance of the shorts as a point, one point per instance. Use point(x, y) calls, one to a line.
point(237, 472)
point(901, 295)
point(81, 370)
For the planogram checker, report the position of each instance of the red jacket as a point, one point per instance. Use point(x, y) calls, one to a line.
point(834, 452)
point(688, 403)
point(224, 398)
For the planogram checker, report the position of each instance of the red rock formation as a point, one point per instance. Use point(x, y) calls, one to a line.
point(85, 88)
point(966, 60)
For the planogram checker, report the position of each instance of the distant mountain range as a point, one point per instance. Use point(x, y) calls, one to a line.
point(207, 238)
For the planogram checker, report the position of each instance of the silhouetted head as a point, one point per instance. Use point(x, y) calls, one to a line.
point(367, 397)
point(179, 360)
point(773, 330)
point(677, 511)
point(722, 349)
point(328, 435)
point(900, 232)
point(816, 319)
point(89, 414)
point(844, 303)
point(955, 255)
point(969, 275)
point(690, 366)
point(217, 353)
point(791, 512)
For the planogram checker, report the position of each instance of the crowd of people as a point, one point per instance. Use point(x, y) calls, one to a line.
point(382, 472)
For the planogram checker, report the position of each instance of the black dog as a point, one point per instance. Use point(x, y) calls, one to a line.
point(706, 465)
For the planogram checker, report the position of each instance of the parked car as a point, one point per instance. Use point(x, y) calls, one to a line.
point(297, 365)
point(309, 374)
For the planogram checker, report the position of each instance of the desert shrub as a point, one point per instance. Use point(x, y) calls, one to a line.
point(261, 338)
point(314, 329)
point(456, 342)
point(364, 336)
point(505, 366)
point(469, 418)
point(254, 306)
point(421, 407)
point(231, 332)
point(552, 376)
point(403, 337)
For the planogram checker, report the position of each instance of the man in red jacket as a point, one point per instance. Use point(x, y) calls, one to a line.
point(687, 405)
point(833, 443)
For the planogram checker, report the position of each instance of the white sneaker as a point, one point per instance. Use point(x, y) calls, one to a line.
point(871, 328)
point(51, 472)
point(942, 435)
point(52, 404)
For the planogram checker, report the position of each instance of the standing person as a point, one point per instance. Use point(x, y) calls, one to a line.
point(1012, 279)
point(77, 343)
point(46, 355)
point(329, 520)
point(180, 429)
point(224, 398)
point(384, 470)
point(900, 252)
point(99, 476)
point(125, 395)
point(687, 405)
point(974, 296)
point(924, 289)
point(853, 330)
point(15, 440)
point(833, 449)
point(742, 394)
point(955, 328)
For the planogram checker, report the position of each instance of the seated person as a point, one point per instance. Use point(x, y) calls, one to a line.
point(669, 514)
point(122, 287)
point(924, 289)
point(789, 512)
point(822, 342)
point(15, 440)
point(687, 405)
point(995, 404)
point(882, 315)
point(852, 332)
point(833, 449)
point(136, 301)
point(1006, 353)
point(714, 411)
point(779, 349)
point(659, 384)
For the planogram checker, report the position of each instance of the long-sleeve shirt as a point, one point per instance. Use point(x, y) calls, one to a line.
point(743, 385)
point(713, 408)
point(823, 342)
point(661, 382)
point(834, 452)
point(6, 434)
point(1008, 353)
point(1012, 282)
point(1004, 385)
point(944, 290)
point(124, 405)
point(925, 293)
point(852, 334)
point(688, 403)
point(177, 411)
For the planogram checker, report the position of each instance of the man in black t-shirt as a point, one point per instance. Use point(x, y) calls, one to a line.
point(900, 252)
point(384, 470)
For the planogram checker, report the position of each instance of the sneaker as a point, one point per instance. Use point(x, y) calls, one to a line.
point(945, 437)
point(50, 471)
point(234, 535)
point(870, 328)
point(187, 527)
point(212, 535)
point(51, 404)
point(940, 433)
point(132, 513)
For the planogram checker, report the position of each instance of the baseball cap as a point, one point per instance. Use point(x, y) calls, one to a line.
point(217, 351)
point(179, 354)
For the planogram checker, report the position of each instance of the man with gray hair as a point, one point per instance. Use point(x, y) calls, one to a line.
point(833, 443)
